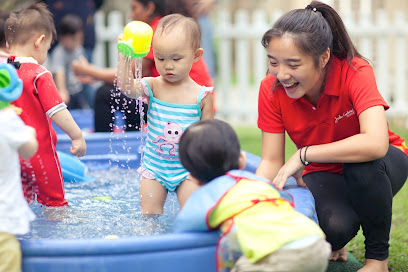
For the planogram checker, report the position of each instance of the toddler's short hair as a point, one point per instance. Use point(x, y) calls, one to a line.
point(190, 26)
point(208, 149)
point(22, 25)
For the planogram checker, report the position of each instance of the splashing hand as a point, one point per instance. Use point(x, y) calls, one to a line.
point(120, 37)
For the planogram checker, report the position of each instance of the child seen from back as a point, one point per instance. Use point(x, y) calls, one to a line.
point(15, 215)
point(69, 48)
point(29, 33)
point(175, 102)
point(261, 231)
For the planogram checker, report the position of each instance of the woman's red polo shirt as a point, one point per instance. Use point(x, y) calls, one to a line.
point(347, 93)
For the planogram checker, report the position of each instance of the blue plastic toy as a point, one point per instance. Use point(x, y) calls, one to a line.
point(73, 170)
point(10, 85)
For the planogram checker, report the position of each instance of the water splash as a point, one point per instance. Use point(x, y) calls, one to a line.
point(139, 104)
point(107, 207)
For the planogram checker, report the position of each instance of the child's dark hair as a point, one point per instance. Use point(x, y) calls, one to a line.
point(191, 27)
point(22, 25)
point(3, 17)
point(314, 29)
point(209, 149)
point(70, 24)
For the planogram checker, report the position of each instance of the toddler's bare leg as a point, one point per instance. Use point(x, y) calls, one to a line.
point(152, 196)
point(186, 188)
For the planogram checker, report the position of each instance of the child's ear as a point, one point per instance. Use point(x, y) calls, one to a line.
point(242, 160)
point(38, 41)
point(198, 54)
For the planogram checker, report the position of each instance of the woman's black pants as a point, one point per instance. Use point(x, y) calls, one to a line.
point(108, 100)
point(362, 196)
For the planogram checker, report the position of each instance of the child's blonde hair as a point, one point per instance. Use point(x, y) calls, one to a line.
point(189, 25)
point(22, 25)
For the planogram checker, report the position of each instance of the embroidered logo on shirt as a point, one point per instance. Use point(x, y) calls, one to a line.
point(345, 114)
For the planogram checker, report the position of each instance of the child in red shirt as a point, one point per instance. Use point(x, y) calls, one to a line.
point(29, 33)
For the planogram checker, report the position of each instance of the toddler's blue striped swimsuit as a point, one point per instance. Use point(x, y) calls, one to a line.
point(165, 124)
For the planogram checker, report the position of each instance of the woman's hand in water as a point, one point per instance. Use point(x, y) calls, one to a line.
point(293, 167)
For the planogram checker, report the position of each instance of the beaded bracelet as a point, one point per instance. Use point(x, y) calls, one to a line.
point(304, 162)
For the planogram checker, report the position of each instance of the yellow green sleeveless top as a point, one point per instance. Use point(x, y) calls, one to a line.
point(262, 217)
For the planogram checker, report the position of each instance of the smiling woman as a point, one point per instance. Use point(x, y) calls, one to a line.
point(323, 93)
point(297, 71)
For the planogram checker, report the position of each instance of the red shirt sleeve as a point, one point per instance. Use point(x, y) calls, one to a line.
point(362, 87)
point(269, 112)
point(47, 91)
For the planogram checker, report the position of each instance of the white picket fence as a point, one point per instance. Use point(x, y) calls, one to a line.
point(242, 62)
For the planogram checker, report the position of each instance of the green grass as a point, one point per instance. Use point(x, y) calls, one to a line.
point(251, 141)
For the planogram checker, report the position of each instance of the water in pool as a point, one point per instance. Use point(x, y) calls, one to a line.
point(105, 208)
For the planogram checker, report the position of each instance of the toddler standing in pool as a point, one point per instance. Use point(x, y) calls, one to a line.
point(29, 33)
point(175, 102)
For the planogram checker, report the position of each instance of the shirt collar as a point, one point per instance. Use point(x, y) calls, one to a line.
point(26, 60)
point(333, 76)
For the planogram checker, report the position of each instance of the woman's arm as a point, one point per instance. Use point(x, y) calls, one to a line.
point(370, 144)
point(82, 67)
point(273, 154)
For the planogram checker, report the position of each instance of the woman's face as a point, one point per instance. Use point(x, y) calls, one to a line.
point(295, 70)
point(139, 12)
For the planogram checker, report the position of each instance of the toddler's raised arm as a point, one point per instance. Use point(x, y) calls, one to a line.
point(126, 82)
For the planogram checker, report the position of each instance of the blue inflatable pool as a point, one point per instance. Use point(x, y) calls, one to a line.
point(166, 252)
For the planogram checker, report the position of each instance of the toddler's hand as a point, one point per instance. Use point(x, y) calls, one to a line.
point(16, 109)
point(120, 37)
point(78, 147)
